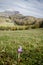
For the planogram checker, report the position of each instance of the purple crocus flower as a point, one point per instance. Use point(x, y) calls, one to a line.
point(20, 49)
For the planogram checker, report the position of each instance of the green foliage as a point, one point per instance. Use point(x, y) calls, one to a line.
point(14, 28)
point(31, 41)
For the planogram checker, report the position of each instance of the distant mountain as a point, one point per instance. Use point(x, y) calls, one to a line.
point(8, 13)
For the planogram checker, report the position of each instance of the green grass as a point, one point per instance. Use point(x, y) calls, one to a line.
point(31, 41)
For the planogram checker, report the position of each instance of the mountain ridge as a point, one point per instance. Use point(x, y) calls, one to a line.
point(8, 13)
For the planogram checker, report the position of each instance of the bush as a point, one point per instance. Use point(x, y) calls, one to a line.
point(14, 28)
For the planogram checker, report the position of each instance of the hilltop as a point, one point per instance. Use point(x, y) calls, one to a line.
point(8, 13)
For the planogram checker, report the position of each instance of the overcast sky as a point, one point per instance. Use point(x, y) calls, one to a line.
point(25, 7)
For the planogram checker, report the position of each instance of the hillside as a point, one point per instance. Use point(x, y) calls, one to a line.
point(15, 19)
point(27, 20)
point(5, 21)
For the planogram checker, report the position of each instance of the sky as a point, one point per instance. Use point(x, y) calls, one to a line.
point(25, 7)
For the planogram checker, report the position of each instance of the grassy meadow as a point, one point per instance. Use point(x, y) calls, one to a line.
point(31, 41)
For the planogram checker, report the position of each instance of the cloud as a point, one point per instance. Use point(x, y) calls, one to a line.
point(26, 7)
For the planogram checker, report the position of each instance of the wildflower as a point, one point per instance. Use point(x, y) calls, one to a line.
point(19, 53)
point(20, 49)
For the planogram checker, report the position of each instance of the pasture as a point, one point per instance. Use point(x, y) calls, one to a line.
point(31, 41)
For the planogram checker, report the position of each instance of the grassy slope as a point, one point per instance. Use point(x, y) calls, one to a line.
point(30, 40)
point(6, 22)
